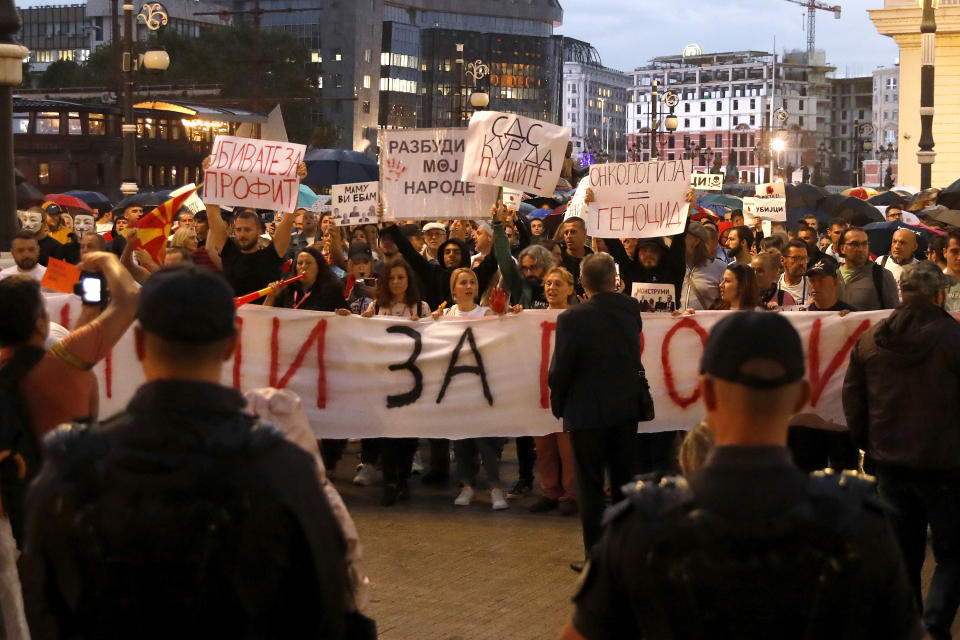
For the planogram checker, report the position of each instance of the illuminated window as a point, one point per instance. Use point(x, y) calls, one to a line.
point(316, 57)
point(95, 124)
point(48, 122)
point(73, 124)
point(319, 82)
point(43, 173)
point(21, 122)
point(385, 59)
point(366, 82)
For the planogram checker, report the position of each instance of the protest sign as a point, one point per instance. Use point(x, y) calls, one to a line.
point(774, 209)
point(512, 197)
point(374, 377)
point(513, 151)
point(655, 297)
point(771, 190)
point(354, 203)
point(707, 181)
point(60, 276)
point(421, 170)
point(638, 199)
point(261, 174)
point(193, 202)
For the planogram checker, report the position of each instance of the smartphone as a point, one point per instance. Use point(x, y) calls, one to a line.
point(92, 289)
point(370, 282)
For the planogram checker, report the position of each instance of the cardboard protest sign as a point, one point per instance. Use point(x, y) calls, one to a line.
point(261, 174)
point(60, 276)
point(774, 209)
point(513, 151)
point(638, 199)
point(512, 197)
point(421, 177)
point(707, 181)
point(655, 296)
point(354, 203)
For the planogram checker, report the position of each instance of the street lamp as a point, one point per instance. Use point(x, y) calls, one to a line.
point(887, 153)
point(928, 41)
point(477, 70)
point(670, 98)
point(154, 16)
point(11, 74)
point(778, 145)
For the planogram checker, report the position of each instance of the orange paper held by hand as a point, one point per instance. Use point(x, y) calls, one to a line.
point(60, 276)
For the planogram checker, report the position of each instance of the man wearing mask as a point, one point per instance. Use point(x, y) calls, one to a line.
point(32, 220)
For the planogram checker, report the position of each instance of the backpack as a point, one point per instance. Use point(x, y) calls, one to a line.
point(877, 272)
point(20, 457)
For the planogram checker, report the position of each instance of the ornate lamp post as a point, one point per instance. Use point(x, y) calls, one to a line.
point(928, 40)
point(154, 16)
point(477, 70)
point(11, 74)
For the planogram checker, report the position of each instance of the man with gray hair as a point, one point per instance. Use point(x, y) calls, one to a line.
point(595, 384)
point(901, 397)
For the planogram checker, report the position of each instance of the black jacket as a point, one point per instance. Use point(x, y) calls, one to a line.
point(901, 394)
point(596, 361)
point(435, 278)
point(670, 270)
point(182, 517)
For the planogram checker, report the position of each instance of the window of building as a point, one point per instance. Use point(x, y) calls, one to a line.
point(670, 156)
point(753, 119)
point(43, 173)
point(719, 106)
point(703, 107)
point(365, 107)
point(753, 104)
point(891, 83)
point(686, 107)
point(719, 121)
point(703, 122)
point(338, 80)
point(736, 104)
point(801, 121)
point(316, 57)
point(21, 122)
point(366, 55)
point(896, 114)
point(48, 123)
point(366, 82)
point(736, 120)
point(718, 140)
point(800, 105)
point(95, 124)
point(337, 55)
point(671, 142)
point(703, 141)
point(861, 112)
point(686, 123)
point(320, 82)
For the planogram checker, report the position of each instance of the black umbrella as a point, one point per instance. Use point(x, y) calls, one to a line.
point(888, 199)
point(803, 195)
point(796, 215)
point(945, 218)
point(146, 200)
point(28, 195)
point(854, 210)
point(740, 190)
point(880, 235)
point(327, 167)
point(950, 197)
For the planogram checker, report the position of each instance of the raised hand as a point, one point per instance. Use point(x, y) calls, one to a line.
point(498, 301)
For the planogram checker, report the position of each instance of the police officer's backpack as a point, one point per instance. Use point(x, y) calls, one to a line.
point(19, 451)
point(716, 578)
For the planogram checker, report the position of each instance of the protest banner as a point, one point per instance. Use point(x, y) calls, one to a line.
point(372, 377)
point(638, 199)
point(512, 197)
point(261, 174)
point(355, 203)
point(515, 152)
point(60, 276)
point(655, 297)
point(707, 181)
point(774, 209)
point(420, 169)
point(768, 190)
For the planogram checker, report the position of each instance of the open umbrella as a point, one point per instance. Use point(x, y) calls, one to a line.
point(307, 197)
point(803, 195)
point(722, 199)
point(739, 190)
point(94, 199)
point(551, 202)
point(854, 210)
point(28, 196)
point(146, 200)
point(941, 217)
point(69, 202)
point(923, 199)
point(880, 235)
point(327, 167)
point(798, 214)
point(864, 193)
point(950, 197)
point(888, 199)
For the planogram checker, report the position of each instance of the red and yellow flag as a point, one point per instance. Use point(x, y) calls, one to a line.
point(154, 228)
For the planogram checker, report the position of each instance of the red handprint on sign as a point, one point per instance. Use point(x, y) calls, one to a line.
point(393, 170)
point(498, 301)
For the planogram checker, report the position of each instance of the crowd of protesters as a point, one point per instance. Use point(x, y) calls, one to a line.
point(459, 269)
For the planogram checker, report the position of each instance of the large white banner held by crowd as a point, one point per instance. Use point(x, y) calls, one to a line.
point(362, 377)
point(421, 177)
point(514, 152)
point(638, 199)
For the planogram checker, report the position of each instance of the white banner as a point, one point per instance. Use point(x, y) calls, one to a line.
point(770, 190)
point(513, 151)
point(707, 181)
point(361, 377)
point(774, 209)
point(421, 177)
point(638, 199)
point(355, 203)
point(261, 174)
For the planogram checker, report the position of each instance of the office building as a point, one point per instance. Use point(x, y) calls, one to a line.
point(851, 121)
point(594, 104)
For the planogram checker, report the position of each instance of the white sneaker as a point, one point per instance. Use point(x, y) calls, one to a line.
point(366, 475)
point(466, 495)
point(498, 499)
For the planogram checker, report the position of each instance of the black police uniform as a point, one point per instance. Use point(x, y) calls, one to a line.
point(747, 547)
point(182, 517)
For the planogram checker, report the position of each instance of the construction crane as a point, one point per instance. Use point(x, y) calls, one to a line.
point(812, 6)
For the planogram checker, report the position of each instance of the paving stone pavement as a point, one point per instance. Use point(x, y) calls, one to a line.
point(442, 572)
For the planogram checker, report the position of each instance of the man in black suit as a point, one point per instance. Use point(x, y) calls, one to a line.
point(594, 387)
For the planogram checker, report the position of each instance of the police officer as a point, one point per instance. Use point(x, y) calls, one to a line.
point(748, 546)
point(182, 517)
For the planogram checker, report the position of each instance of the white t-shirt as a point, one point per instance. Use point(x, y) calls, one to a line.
point(476, 312)
point(36, 273)
point(799, 291)
point(401, 310)
point(894, 268)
